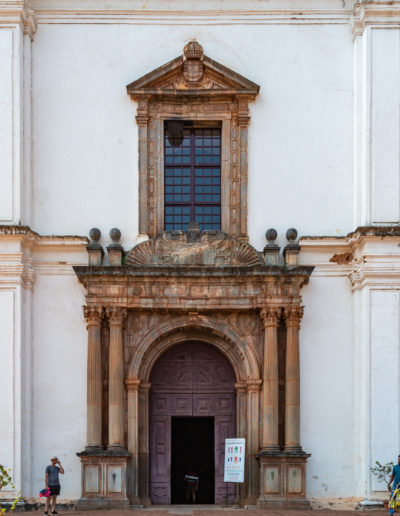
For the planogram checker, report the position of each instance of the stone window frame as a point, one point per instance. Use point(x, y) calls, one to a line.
point(174, 92)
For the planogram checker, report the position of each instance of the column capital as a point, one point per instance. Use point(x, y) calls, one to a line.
point(270, 316)
point(145, 387)
point(293, 315)
point(254, 385)
point(116, 315)
point(19, 12)
point(93, 315)
point(240, 387)
point(376, 13)
point(142, 116)
point(132, 384)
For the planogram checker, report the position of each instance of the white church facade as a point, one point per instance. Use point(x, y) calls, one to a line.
point(200, 240)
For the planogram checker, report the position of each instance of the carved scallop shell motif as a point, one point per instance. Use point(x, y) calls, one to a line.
point(211, 248)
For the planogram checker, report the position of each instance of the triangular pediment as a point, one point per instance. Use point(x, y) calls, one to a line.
point(192, 74)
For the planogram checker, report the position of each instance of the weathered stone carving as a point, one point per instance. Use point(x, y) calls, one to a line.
point(293, 316)
point(271, 315)
point(342, 259)
point(193, 64)
point(93, 315)
point(116, 315)
point(194, 248)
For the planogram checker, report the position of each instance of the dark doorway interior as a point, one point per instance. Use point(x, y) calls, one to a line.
point(192, 448)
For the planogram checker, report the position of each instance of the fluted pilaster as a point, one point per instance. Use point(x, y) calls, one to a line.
point(93, 316)
point(270, 317)
point(116, 317)
point(293, 317)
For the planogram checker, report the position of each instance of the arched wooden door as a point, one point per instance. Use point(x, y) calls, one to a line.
point(192, 384)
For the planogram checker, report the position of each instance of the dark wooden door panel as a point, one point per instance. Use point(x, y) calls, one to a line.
point(203, 381)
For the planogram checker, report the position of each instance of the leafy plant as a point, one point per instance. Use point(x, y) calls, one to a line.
point(6, 480)
point(382, 471)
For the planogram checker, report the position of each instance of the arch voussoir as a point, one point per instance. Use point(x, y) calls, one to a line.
point(157, 340)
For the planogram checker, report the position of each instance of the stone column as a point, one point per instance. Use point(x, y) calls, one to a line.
point(116, 318)
point(144, 473)
point(270, 317)
point(252, 445)
point(93, 315)
point(132, 386)
point(293, 316)
point(241, 431)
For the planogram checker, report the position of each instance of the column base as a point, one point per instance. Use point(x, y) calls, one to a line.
point(283, 480)
point(103, 479)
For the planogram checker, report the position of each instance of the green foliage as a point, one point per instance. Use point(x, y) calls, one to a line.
point(394, 502)
point(6, 480)
point(382, 471)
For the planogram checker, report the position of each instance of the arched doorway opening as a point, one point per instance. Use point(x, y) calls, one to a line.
point(192, 412)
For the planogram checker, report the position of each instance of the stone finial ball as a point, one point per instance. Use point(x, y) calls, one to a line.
point(95, 234)
point(115, 234)
point(271, 235)
point(291, 234)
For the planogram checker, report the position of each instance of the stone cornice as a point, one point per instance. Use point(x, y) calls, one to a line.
point(360, 233)
point(368, 256)
point(24, 254)
point(86, 272)
point(18, 12)
point(183, 13)
point(375, 13)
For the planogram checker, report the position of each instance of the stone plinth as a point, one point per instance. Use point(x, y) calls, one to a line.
point(283, 480)
point(103, 480)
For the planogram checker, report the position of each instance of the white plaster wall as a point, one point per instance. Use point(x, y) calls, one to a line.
point(327, 388)
point(59, 378)
point(6, 132)
point(377, 126)
point(85, 135)
point(7, 375)
point(384, 375)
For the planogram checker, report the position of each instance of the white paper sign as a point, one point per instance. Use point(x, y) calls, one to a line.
point(234, 460)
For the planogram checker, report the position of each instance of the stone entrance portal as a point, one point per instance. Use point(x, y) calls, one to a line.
point(191, 325)
point(195, 381)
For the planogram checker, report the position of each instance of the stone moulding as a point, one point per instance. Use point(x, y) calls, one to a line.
point(198, 89)
point(200, 288)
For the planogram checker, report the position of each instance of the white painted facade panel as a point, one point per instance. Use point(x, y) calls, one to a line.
point(59, 390)
point(7, 374)
point(384, 406)
point(300, 136)
point(327, 362)
point(385, 126)
point(6, 126)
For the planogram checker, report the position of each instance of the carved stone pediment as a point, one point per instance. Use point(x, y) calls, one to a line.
point(192, 74)
point(209, 248)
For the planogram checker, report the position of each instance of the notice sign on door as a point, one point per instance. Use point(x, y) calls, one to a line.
point(234, 460)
